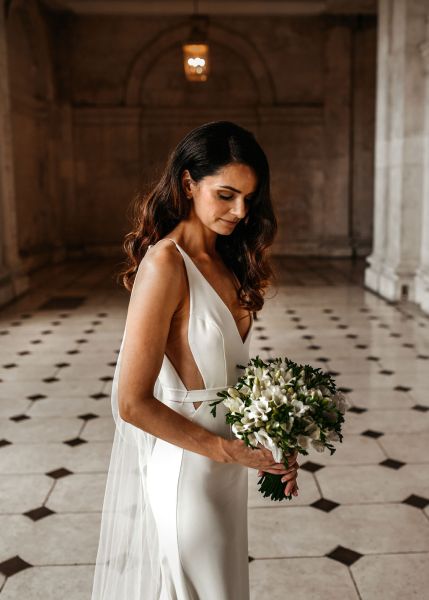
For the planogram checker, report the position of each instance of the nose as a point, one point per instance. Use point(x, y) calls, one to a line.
point(239, 209)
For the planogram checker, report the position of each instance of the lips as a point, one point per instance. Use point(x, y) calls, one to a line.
point(230, 222)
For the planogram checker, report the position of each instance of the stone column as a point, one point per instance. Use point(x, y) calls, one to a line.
point(422, 275)
point(12, 281)
point(399, 161)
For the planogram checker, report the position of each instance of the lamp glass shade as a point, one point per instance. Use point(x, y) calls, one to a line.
point(196, 61)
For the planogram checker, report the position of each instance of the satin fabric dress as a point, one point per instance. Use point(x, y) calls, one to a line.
point(200, 505)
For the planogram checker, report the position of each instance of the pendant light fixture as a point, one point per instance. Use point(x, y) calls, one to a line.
point(196, 61)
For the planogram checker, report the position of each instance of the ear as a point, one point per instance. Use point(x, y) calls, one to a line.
point(187, 183)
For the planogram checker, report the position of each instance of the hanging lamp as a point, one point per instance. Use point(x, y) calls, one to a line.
point(196, 61)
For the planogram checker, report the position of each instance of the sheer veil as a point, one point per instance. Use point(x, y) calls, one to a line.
point(127, 564)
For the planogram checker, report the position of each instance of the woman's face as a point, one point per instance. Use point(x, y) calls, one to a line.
point(220, 201)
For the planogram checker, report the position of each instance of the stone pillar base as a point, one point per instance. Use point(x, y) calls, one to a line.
point(388, 282)
point(13, 283)
point(421, 284)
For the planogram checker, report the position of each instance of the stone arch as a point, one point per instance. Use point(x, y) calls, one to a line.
point(238, 44)
point(29, 20)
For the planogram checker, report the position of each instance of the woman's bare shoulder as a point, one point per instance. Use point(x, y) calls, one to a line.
point(162, 260)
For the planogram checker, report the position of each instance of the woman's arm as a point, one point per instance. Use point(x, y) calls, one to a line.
point(158, 289)
point(157, 292)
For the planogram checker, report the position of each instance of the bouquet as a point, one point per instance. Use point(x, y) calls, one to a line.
point(286, 407)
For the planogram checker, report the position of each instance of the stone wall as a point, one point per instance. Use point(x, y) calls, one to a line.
point(92, 105)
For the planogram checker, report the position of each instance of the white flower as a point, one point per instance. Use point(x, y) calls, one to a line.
point(313, 431)
point(263, 438)
point(319, 446)
point(340, 402)
point(332, 436)
point(234, 405)
point(303, 440)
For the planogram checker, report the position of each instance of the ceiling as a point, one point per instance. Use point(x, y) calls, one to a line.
point(213, 7)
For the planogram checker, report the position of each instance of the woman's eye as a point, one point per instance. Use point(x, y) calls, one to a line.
point(225, 197)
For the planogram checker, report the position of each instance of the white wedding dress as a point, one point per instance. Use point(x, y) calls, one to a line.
point(196, 507)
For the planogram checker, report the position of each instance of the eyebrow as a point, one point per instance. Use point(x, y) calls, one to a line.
point(235, 190)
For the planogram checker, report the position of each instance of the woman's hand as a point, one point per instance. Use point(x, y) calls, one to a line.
point(262, 459)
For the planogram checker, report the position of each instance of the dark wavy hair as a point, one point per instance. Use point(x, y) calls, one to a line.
point(204, 151)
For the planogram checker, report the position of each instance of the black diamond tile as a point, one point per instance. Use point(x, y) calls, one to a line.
point(334, 318)
point(36, 397)
point(4, 332)
point(417, 501)
point(58, 473)
point(310, 466)
point(408, 345)
point(10, 366)
point(357, 409)
point(371, 433)
point(88, 416)
point(352, 336)
point(259, 328)
point(333, 373)
point(64, 315)
point(346, 556)
point(301, 327)
point(102, 314)
point(50, 379)
point(13, 565)
point(46, 332)
point(77, 441)
point(262, 337)
point(383, 326)
point(423, 356)
point(39, 513)
point(327, 310)
point(314, 347)
point(375, 358)
point(98, 396)
point(62, 364)
point(402, 388)
point(24, 352)
point(250, 558)
point(89, 331)
point(82, 341)
point(16, 323)
point(18, 418)
point(106, 378)
point(342, 326)
point(420, 407)
point(62, 302)
point(395, 335)
point(4, 442)
point(324, 504)
point(111, 364)
point(361, 346)
point(365, 310)
point(35, 341)
point(73, 352)
point(55, 322)
point(308, 337)
point(26, 315)
point(266, 348)
point(96, 322)
point(392, 464)
point(323, 359)
point(345, 390)
point(386, 372)
point(290, 311)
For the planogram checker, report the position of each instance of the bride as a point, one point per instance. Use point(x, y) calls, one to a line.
point(174, 520)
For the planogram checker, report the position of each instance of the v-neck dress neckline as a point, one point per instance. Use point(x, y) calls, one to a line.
point(217, 295)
